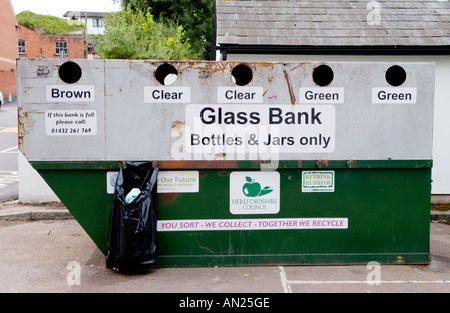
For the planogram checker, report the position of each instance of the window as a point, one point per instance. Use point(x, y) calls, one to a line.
point(97, 22)
point(60, 46)
point(22, 49)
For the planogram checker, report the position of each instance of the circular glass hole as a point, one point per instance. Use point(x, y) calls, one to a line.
point(395, 75)
point(241, 75)
point(70, 72)
point(323, 75)
point(166, 74)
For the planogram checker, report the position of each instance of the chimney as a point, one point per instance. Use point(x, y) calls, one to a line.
point(38, 29)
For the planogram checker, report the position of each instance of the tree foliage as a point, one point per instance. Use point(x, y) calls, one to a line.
point(194, 15)
point(134, 34)
point(51, 25)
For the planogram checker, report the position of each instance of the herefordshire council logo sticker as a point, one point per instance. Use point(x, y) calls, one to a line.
point(253, 189)
point(254, 192)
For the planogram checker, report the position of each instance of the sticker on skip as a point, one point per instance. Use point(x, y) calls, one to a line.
point(254, 192)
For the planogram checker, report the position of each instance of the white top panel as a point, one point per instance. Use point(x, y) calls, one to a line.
point(118, 110)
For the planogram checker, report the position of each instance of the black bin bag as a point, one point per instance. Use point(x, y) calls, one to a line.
point(132, 228)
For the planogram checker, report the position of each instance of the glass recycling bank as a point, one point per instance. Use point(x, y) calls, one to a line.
point(258, 163)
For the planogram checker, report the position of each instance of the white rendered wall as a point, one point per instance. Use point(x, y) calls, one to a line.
point(32, 188)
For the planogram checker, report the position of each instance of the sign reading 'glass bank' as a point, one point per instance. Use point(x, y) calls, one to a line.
point(273, 129)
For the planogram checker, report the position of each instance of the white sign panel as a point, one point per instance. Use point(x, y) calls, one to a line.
point(71, 123)
point(167, 94)
point(254, 192)
point(168, 181)
point(394, 95)
point(318, 181)
point(70, 93)
point(178, 181)
point(111, 178)
point(240, 95)
point(325, 95)
point(235, 130)
point(252, 224)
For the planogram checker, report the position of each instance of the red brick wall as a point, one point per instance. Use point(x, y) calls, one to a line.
point(43, 46)
point(8, 49)
point(8, 82)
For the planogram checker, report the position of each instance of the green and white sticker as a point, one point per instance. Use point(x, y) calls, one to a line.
point(168, 181)
point(178, 182)
point(318, 181)
point(254, 192)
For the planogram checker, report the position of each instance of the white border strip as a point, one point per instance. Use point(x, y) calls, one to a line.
point(253, 224)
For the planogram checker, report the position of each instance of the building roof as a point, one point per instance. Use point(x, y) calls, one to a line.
point(84, 14)
point(333, 23)
point(38, 31)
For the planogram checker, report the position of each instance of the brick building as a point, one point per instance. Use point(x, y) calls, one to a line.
point(34, 44)
point(8, 49)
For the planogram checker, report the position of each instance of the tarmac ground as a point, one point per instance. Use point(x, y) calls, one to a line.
point(44, 250)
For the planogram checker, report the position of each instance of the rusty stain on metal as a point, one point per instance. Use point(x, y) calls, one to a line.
point(290, 90)
point(300, 65)
point(208, 67)
point(229, 164)
point(167, 198)
point(205, 248)
point(220, 156)
point(200, 164)
point(178, 130)
point(20, 140)
point(177, 124)
point(23, 122)
point(179, 74)
point(259, 65)
point(322, 164)
point(426, 164)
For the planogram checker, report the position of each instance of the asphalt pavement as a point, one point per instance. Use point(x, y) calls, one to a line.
point(9, 178)
point(44, 250)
